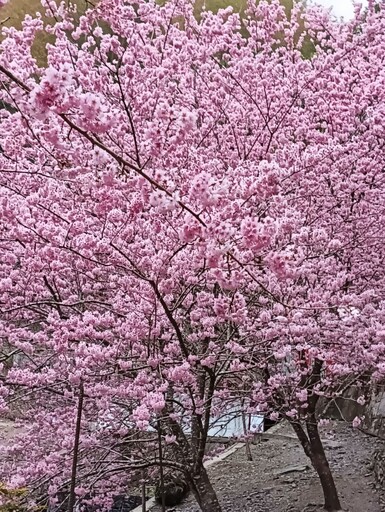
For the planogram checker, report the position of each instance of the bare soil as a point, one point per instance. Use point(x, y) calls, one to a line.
point(280, 478)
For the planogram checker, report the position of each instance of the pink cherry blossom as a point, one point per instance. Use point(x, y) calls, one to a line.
point(190, 226)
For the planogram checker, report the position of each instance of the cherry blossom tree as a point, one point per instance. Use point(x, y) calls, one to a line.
point(104, 330)
point(322, 322)
point(191, 218)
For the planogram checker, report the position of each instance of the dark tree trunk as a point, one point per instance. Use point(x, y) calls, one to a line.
point(203, 491)
point(191, 454)
point(321, 465)
point(312, 444)
point(72, 495)
point(161, 472)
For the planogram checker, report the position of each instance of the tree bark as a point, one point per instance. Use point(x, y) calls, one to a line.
point(191, 453)
point(311, 442)
point(203, 491)
point(161, 472)
point(321, 465)
point(313, 448)
point(72, 495)
point(249, 455)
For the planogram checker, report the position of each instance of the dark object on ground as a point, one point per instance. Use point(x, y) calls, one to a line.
point(175, 490)
point(125, 503)
point(268, 423)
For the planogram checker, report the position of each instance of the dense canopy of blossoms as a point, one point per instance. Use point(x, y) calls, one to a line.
point(191, 216)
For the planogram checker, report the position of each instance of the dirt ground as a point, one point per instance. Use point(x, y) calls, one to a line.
point(279, 479)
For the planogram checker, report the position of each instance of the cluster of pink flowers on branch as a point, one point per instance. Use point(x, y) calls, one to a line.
point(191, 218)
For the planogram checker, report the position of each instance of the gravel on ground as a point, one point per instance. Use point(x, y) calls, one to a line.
point(280, 478)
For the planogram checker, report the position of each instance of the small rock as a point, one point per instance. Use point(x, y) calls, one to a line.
point(291, 469)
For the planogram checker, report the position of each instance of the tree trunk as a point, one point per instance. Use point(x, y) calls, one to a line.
point(311, 442)
point(249, 455)
point(321, 465)
point(161, 472)
point(312, 445)
point(203, 491)
point(195, 473)
point(72, 495)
